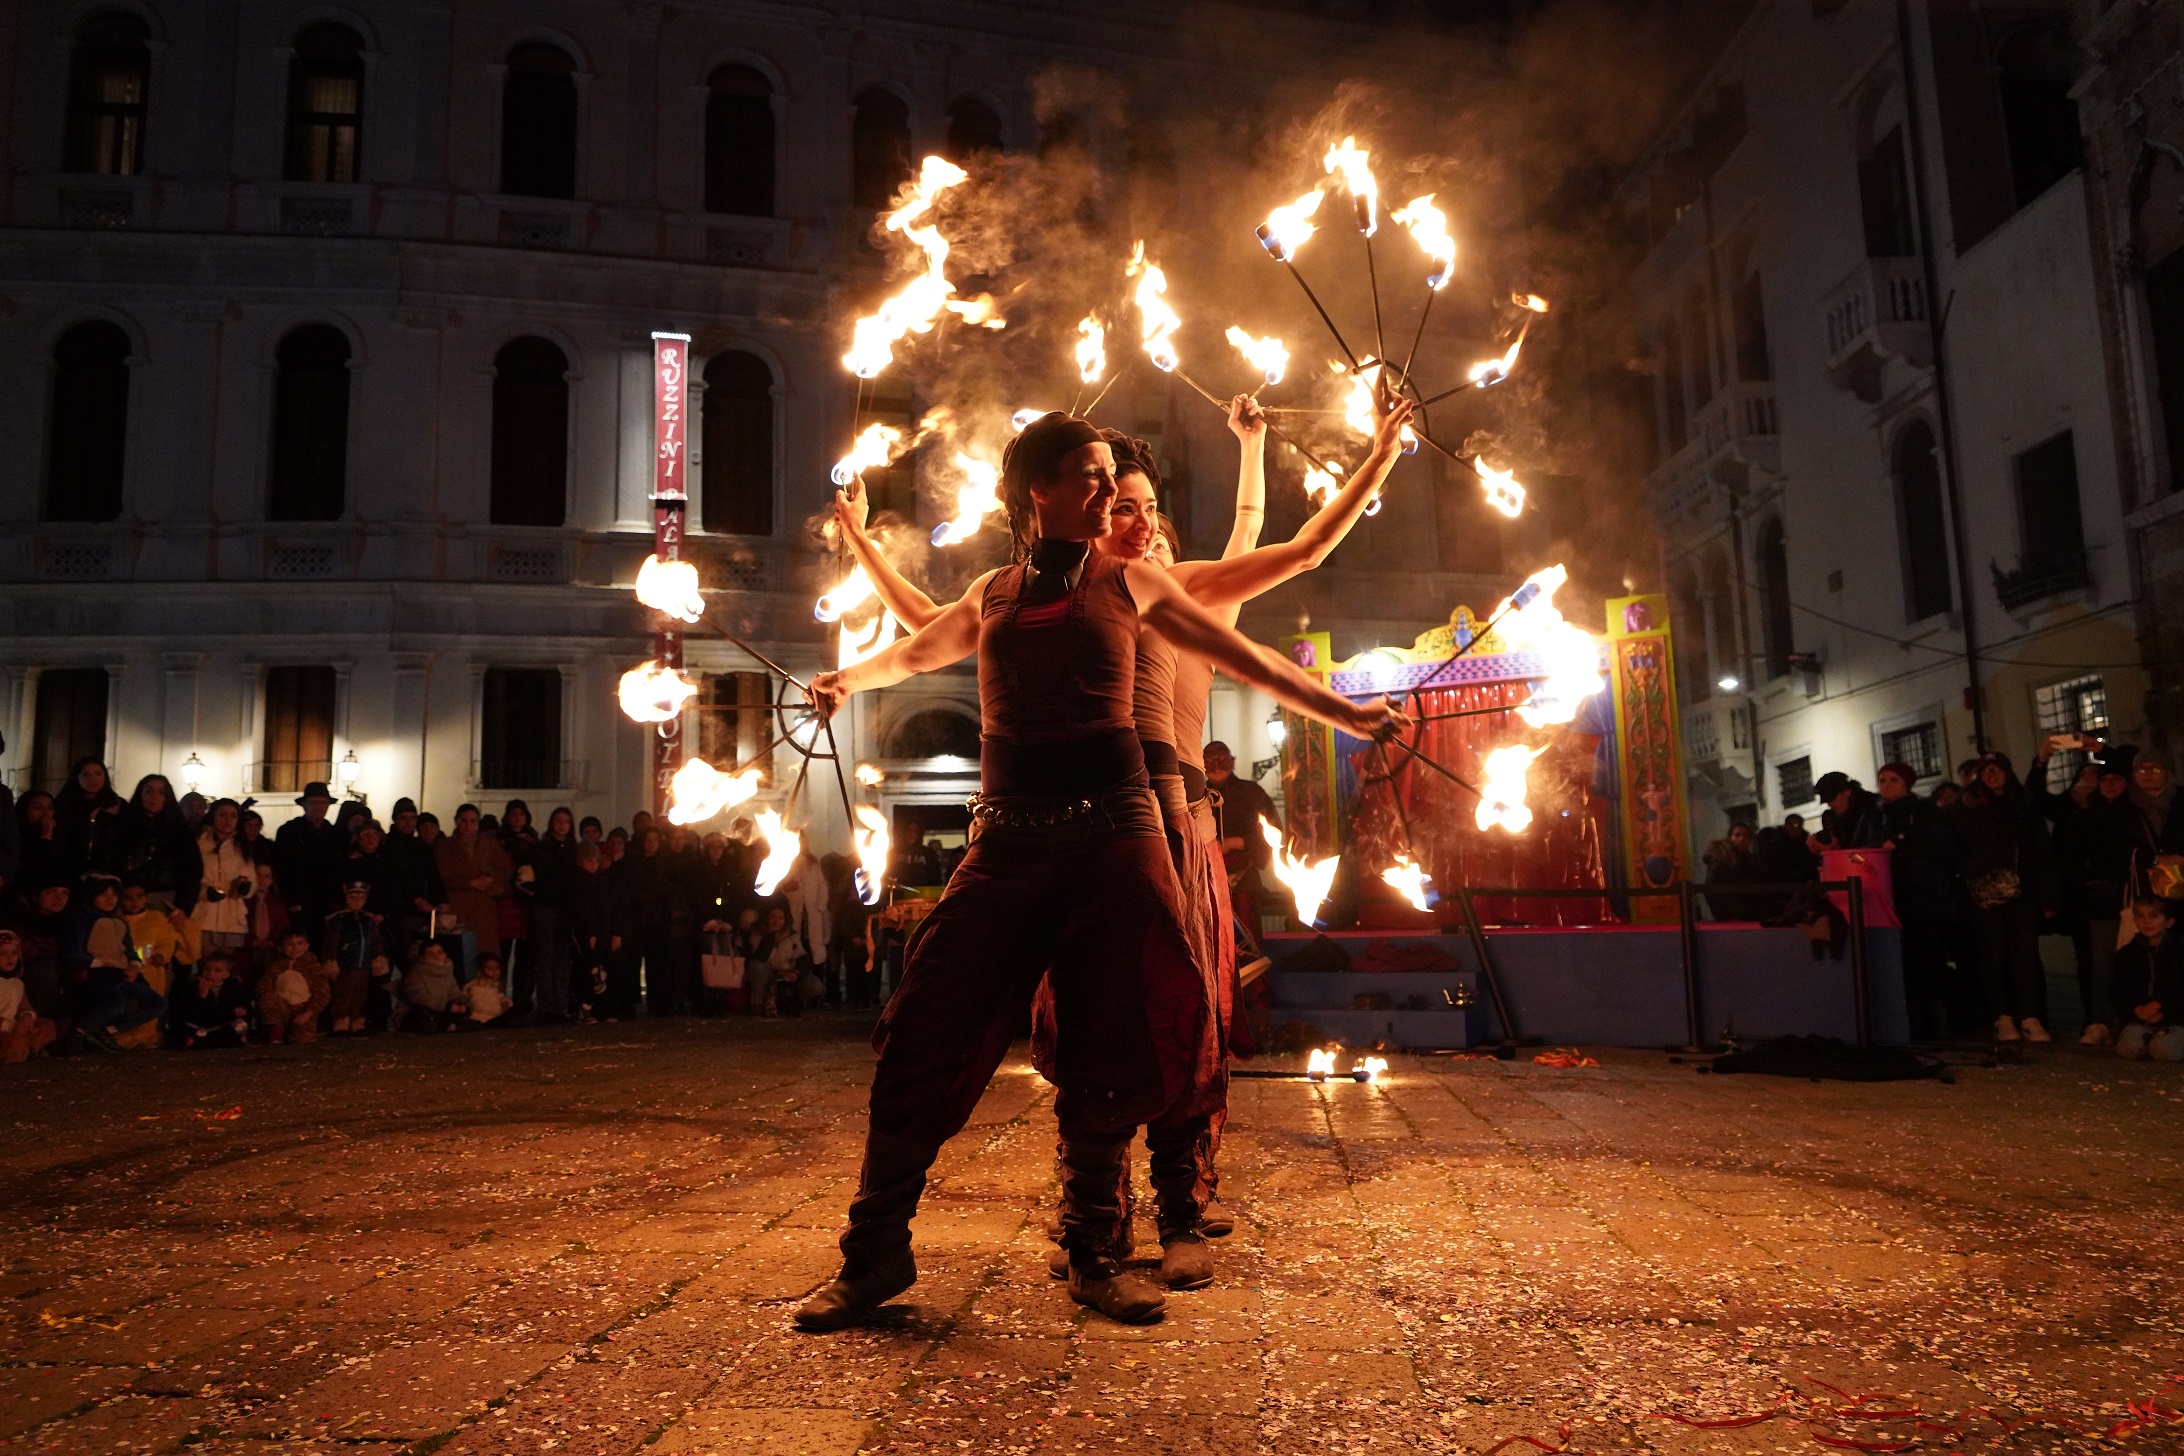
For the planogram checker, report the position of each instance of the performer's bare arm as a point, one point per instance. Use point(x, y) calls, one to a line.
point(1238, 579)
point(950, 637)
point(1248, 424)
point(913, 608)
point(1168, 610)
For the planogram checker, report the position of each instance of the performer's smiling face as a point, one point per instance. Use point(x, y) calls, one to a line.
point(1074, 503)
point(1131, 529)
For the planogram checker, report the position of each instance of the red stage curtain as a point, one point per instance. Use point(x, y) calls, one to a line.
point(1560, 850)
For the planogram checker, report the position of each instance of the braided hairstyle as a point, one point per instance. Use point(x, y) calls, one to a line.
point(1031, 459)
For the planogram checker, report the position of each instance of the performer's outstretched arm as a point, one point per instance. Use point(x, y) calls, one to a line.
point(1167, 610)
point(1248, 424)
point(913, 608)
point(949, 637)
point(1220, 583)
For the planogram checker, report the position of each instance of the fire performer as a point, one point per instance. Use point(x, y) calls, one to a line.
point(1170, 699)
point(1068, 876)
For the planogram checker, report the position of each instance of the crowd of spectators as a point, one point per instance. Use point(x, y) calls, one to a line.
point(169, 920)
point(1980, 868)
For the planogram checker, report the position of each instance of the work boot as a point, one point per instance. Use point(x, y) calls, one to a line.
point(1216, 1222)
point(1185, 1262)
point(1114, 1291)
point(855, 1294)
point(888, 1185)
point(1095, 1195)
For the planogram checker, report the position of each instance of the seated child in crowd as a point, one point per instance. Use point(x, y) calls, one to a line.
point(355, 950)
point(292, 990)
point(167, 949)
point(23, 1032)
point(116, 998)
point(429, 990)
point(2149, 980)
point(211, 1008)
point(486, 994)
point(781, 950)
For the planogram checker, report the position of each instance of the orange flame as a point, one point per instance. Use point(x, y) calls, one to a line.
point(1531, 301)
point(1354, 163)
point(859, 643)
point(1537, 626)
point(1429, 229)
point(1407, 878)
point(1372, 1067)
point(1503, 492)
point(1289, 227)
point(915, 309)
point(874, 447)
point(979, 495)
point(1319, 1062)
point(1268, 355)
point(1091, 350)
point(870, 776)
point(1501, 797)
point(1358, 410)
point(783, 845)
point(698, 791)
point(670, 587)
point(651, 693)
point(1308, 882)
point(1022, 418)
point(854, 588)
point(1156, 320)
point(869, 836)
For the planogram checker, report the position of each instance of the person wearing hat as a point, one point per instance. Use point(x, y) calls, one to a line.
point(307, 860)
point(1853, 817)
point(353, 946)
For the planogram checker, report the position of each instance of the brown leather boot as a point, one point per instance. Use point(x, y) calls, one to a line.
point(1121, 1295)
point(1186, 1262)
point(1216, 1222)
point(855, 1294)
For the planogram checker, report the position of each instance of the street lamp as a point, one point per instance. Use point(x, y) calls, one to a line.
point(348, 771)
point(1277, 731)
point(193, 773)
point(1729, 683)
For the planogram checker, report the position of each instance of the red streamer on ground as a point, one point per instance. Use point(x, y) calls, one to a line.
point(225, 1114)
point(1562, 1436)
point(1565, 1057)
point(2150, 1413)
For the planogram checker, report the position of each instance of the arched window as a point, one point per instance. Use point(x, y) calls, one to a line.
point(88, 430)
point(934, 733)
point(1923, 527)
point(530, 485)
point(325, 105)
point(1719, 625)
point(879, 147)
point(1774, 591)
point(108, 75)
point(738, 441)
point(973, 127)
point(538, 123)
point(739, 143)
point(310, 425)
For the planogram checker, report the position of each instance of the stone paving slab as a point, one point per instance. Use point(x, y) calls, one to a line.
point(588, 1241)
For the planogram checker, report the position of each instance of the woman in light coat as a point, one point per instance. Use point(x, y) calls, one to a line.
point(229, 881)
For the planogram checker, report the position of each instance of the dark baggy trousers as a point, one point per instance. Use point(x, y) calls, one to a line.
point(1091, 902)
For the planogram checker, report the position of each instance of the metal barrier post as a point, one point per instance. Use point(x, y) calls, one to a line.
point(1688, 917)
point(1854, 889)
point(1486, 965)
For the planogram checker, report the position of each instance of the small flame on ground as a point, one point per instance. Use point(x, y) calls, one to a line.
point(1319, 1062)
point(869, 775)
point(1289, 227)
point(869, 834)
point(1157, 322)
point(1503, 492)
point(919, 304)
point(1501, 797)
point(671, 587)
point(1268, 355)
point(1369, 1070)
point(1091, 350)
point(1429, 229)
point(1353, 162)
point(1308, 883)
point(854, 588)
point(783, 845)
point(698, 791)
point(979, 495)
point(651, 693)
point(1408, 878)
point(874, 447)
point(859, 643)
point(1537, 626)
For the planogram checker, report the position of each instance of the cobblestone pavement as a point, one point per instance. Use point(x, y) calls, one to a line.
point(588, 1240)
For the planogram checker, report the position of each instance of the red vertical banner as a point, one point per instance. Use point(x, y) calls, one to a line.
point(670, 495)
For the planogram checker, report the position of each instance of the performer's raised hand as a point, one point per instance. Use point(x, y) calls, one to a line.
point(1379, 718)
point(1392, 412)
point(827, 693)
point(1246, 421)
point(851, 506)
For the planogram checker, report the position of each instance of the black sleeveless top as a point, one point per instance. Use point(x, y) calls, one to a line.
point(1057, 657)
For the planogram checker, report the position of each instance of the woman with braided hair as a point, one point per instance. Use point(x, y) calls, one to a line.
point(1068, 875)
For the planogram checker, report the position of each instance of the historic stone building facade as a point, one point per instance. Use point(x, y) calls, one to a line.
point(1888, 483)
point(325, 364)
